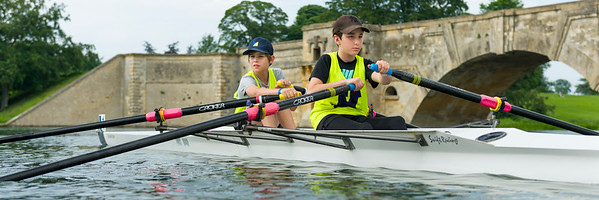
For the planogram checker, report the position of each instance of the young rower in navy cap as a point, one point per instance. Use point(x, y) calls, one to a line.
point(263, 80)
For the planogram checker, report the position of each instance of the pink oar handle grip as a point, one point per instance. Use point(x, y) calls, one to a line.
point(168, 114)
point(493, 103)
point(269, 109)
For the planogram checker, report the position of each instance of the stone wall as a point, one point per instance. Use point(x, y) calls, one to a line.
point(136, 84)
point(98, 91)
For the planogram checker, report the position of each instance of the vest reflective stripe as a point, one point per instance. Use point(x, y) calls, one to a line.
point(350, 103)
point(272, 82)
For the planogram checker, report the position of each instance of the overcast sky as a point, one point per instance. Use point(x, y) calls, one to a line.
point(122, 26)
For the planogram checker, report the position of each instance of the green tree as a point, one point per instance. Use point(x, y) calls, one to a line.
point(172, 48)
point(190, 49)
point(378, 11)
point(435, 9)
point(585, 89)
point(149, 48)
point(208, 45)
point(500, 5)
point(528, 99)
point(35, 51)
point(525, 91)
point(533, 81)
point(561, 86)
point(243, 21)
point(306, 15)
point(9, 72)
point(311, 14)
point(369, 12)
point(250, 19)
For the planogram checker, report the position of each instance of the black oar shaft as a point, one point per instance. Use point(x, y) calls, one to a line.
point(152, 140)
point(477, 98)
point(137, 119)
point(228, 104)
point(437, 86)
point(551, 121)
point(129, 146)
point(286, 104)
point(71, 129)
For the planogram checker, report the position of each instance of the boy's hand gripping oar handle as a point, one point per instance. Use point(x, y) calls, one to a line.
point(494, 103)
point(272, 108)
point(248, 114)
point(300, 90)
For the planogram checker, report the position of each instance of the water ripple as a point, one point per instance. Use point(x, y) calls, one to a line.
point(148, 174)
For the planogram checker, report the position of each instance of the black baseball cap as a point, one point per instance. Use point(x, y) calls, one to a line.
point(261, 45)
point(347, 23)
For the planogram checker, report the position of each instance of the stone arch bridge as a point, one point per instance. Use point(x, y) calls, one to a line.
point(481, 53)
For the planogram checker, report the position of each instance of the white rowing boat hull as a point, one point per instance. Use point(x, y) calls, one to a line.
point(571, 158)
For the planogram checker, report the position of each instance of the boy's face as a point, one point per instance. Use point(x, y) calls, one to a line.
point(350, 43)
point(259, 61)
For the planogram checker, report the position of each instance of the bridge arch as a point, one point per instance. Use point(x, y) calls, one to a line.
point(488, 74)
point(486, 54)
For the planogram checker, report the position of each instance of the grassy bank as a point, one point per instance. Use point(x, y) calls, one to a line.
point(29, 100)
point(579, 110)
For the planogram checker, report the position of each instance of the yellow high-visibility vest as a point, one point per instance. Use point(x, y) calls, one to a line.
point(272, 82)
point(350, 103)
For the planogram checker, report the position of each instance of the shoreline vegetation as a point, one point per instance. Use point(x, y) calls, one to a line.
point(575, 109)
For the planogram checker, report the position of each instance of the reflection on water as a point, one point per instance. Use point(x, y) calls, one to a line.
point(344, 182)
point(264, 179)
point(150, 174)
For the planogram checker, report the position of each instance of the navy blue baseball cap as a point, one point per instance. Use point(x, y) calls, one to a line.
point(261, 45)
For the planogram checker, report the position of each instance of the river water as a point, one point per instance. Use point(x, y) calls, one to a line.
point(149, 174)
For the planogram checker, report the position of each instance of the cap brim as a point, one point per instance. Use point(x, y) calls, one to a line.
point(246, 52)
point(349, 29)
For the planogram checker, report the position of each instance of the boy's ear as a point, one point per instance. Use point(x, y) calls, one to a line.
point(272, 59)
point(337, 39)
